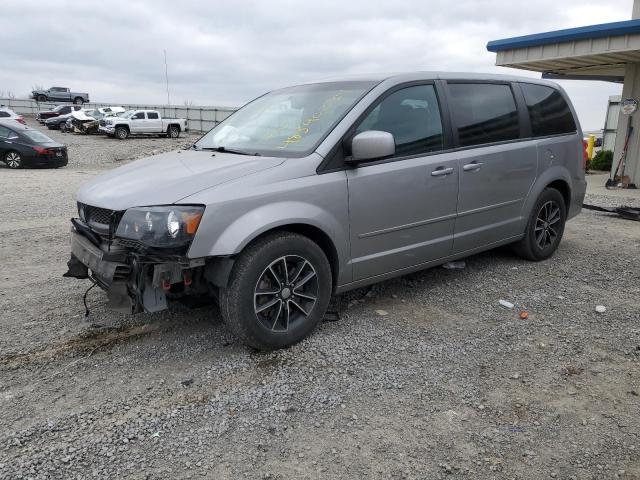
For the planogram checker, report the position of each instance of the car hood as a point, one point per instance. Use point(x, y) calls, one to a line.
point(167, 178)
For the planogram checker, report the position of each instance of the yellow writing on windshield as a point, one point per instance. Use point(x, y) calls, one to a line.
point(303, 128)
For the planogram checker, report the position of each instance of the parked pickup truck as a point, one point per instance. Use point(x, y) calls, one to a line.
point(142, 122)
point(60, 94)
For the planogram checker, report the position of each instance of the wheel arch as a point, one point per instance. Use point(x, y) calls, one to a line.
point(556, 177)
point(563, 187)
point(318, 236)
point(174, 125)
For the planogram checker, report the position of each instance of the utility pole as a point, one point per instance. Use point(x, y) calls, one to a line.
point(166, 76)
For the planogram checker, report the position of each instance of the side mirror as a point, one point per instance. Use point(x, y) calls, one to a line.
point(371, 145)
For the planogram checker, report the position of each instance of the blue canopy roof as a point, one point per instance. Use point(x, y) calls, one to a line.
point(580, 33)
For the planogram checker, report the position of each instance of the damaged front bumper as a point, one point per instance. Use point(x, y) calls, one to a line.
point(135, 280)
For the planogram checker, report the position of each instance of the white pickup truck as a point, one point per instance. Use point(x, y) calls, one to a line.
point(142, 122)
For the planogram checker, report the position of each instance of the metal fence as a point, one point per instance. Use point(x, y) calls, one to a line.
point(200, 119)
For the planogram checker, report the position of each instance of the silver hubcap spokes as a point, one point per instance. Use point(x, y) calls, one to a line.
point(13, 160)
point(285, 293)
point(547, 224)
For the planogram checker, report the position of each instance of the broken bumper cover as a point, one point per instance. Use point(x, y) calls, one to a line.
point(134, 282)
point(108, 129)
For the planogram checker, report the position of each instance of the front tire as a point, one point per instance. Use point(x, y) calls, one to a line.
point(278, 293)
point(544, 228)
point(78, 101)
point(41, 98)
point(13, 160)
point(121, 133)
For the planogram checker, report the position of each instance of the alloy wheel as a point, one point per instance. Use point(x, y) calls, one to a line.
point(286, 292)
point(13, 160)
point(547, 223)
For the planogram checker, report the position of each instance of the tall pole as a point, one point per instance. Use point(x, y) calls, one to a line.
point(166, 76)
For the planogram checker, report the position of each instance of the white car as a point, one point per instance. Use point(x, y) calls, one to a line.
point(8, 114)
point(142, 122)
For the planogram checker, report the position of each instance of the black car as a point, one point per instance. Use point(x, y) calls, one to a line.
point(22, 146)
point(42, 116)
point(56, 123)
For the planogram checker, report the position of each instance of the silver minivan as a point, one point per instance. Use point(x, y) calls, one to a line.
point(316, 189)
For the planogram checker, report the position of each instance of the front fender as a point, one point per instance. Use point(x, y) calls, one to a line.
point(239, 233)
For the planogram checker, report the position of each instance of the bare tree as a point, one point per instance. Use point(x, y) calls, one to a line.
point(188, 103)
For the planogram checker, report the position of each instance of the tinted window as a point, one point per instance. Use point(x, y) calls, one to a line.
point(5, 132)
point(138, 115)
point(548, 110)
point(152, 115)
point(65, 110)
point(4, 114)
point(484, 113)
point(412, 116)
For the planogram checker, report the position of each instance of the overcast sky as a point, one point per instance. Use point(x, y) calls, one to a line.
point(227, 52)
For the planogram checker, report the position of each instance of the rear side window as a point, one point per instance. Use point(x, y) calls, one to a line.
point(4, 114)
point(412, 116)
point(152, 115)
point(484, 113)
point(5, 132)
point(548, 110)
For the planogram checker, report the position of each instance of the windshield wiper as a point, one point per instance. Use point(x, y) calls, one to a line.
point(228, 150)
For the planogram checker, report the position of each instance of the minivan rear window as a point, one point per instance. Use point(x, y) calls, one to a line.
point(548, 111)
point(484, 113)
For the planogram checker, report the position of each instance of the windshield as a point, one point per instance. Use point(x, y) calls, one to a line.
point(289, 122)
point(128, 114)
point(36, 136)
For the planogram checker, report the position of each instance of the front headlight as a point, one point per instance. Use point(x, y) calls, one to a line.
point(168, 226)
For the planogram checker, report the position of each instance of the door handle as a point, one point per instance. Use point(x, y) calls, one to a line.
point(470, 167)
point(440, 171)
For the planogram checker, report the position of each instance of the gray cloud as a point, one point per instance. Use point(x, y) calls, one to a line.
point(227, 52)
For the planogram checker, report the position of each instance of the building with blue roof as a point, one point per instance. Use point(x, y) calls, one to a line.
point(607, 51)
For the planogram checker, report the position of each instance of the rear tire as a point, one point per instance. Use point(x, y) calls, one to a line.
point(278, 292)
point(13, 160)
point(121, 133)
point(544, 228)
point(173, 132)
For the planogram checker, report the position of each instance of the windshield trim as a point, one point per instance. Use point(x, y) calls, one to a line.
point(367, 85)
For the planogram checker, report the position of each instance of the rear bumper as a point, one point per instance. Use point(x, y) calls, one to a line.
point(38, 161)
point(577, 197)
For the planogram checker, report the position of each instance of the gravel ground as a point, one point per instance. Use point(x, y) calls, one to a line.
point(423, 377)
